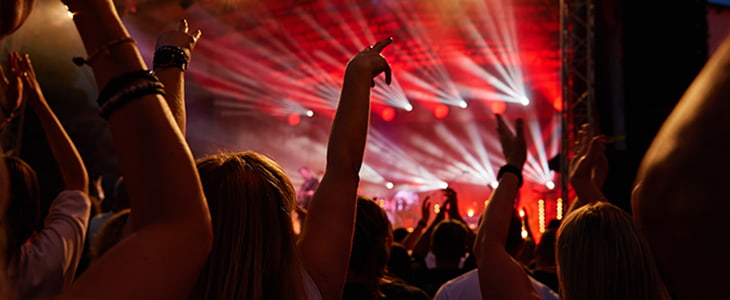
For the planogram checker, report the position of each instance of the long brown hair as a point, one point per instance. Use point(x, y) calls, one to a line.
point(600, 255)
point(253, 256)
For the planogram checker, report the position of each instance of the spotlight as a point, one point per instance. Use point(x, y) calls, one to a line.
point(294, 119)
point(524, 101)
point(550, 185)
point(441, 111)
point(389, 185)
point(310, 113)
point(408, 107)
point(463, 104)
point(388, 114)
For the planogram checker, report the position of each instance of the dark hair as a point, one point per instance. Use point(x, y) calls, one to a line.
point(23, 212)
point(545, 250)
point(372, 229)
point(399, 234)
point(448, 240)
point(515, 243)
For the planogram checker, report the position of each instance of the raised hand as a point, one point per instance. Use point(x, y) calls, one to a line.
point(371, 61)
point(32, 89)
point(591, 162)
point(453, 207)
point(11, 87)
point(513, 143)
point(179, 38)
point(425, 210)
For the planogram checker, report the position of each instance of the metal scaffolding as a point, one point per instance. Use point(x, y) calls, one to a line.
point(577, 43)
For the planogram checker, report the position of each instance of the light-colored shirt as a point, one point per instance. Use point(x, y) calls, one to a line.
point(466, 287)
point(48, 260)
point(310, 287)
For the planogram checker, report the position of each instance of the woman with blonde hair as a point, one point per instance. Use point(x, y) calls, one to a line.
point(600, 254)
point(255, 253)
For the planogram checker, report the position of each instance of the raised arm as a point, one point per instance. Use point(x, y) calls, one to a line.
point(500, 276)
point(172, 237)
point(423, 244)
point(587, 169)
point(409, 242)
point(70, 164)
point(326, 237)
point(173, 51)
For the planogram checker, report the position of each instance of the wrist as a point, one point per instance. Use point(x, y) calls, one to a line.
point(508, 168)
point(169, 56)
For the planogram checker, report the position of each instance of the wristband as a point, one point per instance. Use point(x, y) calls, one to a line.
point(421, 223)
point(511, 169)
point(170, 56)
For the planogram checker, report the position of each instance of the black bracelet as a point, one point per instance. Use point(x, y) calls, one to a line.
point(170, 56)
point(123, 81)
point(130, 93)
point(422, 223)
point(511, 169)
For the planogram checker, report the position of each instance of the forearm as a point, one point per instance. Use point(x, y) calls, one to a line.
point(494, 227)
point(174, 80)
point(586, 193)
point(327, 236)
point(423, 245)
point(70, 164)
point(409, 242)
point(348, 135)
point(153, 156)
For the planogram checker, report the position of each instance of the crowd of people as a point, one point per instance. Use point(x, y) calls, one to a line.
point(222, 226)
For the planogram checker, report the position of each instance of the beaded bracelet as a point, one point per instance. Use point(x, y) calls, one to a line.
point(103, 49)
point(511, 169)
point(170, 56)
point(129, 93)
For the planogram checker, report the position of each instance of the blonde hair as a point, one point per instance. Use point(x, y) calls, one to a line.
point(600, 255)
point(253, 256)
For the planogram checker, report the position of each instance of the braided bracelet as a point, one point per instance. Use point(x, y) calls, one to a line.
point(103, 49)
point(511, 169)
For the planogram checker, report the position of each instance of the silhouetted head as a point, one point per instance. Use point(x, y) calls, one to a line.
point(600, 255)
point(372, 239)
point(515, 243)
point(250, 200)
point(448, 240)
point(120, 197)
point(399, 234)
point(545, 250)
